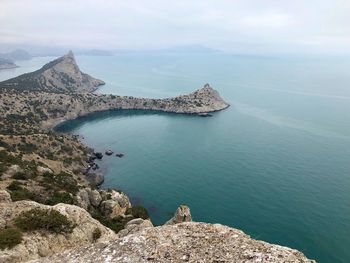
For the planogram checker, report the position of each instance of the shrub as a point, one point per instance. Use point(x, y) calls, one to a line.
point(9, 238)
point(138, 211)
point(60, 197)
point(15, 185)
point(96, 234)
point(116, 224)
point(60, 182)
point(18, 192)
point(44, 219)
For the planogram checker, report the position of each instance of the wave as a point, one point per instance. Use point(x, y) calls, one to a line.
point(283, 121)
point(312, 94)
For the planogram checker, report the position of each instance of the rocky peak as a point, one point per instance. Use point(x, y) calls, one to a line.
point(60, 75)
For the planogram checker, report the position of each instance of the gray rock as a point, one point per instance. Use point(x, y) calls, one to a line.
point(184, 242)
point(37, 244)
point(94, 197)
point(82, 199)
point(42, 170)
point(134, 226)
point(95, 178)
point(5, 196)
point(182, 214)
point(111, 209)
point(11, 171)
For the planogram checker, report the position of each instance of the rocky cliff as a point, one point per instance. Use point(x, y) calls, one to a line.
point(184, 242)
point(60, 75)
point(42, 243)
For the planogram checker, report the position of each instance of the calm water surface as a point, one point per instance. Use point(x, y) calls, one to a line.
point(276, 164)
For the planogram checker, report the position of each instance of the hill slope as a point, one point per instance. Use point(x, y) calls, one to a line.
point(61, 75)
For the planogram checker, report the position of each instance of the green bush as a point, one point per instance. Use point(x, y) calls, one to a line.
point(9, 238)
point(60, 197)
point(15, 185)
point(116, 224)
point(60, 182)
point(138, 211)
point(18, 192)
point(44, 219)
point(96, 234)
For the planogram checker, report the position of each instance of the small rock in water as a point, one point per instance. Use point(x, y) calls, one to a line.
point(120, 155)
point(109, 152)
point(99, 155)
point(204, 114)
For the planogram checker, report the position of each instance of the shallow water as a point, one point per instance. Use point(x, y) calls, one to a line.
point(276, 164)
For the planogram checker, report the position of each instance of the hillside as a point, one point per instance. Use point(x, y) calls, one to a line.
point(61, 76)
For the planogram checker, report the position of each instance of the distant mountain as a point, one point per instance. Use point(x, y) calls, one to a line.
point(7, 64)
point(59, 75)
point(96, 52)
point(190, 49)
point(178, 49)
point(18, 54)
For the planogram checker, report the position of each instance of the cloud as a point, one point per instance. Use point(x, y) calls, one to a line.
point(235, 25)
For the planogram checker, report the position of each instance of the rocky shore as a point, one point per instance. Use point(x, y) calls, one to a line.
point(49, 199)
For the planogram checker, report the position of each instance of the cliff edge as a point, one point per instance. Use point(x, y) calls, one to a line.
point(184, 242)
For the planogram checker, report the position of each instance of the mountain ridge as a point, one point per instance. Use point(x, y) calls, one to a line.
point(60, 75)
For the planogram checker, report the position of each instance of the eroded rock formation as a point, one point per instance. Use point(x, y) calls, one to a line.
point(184, 242)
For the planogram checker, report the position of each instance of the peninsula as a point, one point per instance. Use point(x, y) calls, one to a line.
point(49, 197)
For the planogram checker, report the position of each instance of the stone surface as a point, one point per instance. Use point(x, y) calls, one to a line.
point(182, 214)
point(43, 243)
point(42, 170)
point(94, 197)
point(134, 226)
point(111, 209)
point(11, 171)
point(82, 199)
point(184, 242)
point(5, 196)
point(95, 178)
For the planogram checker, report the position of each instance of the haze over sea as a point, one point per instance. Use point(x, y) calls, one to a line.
point(276, 164)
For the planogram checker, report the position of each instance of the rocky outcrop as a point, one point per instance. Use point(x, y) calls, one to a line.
point(182, 214)
point(43, 243)
point(95, 178)
point(11, 171)
point(185, 242)
point(134, 226)
point(60, 75)
point(110, 203)
point(5, 197)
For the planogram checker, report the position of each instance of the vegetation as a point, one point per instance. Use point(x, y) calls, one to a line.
point(96, 234)
point(44, 219)
point(18, 192)
point(138, 211)
point(60, 197)
point(10, 237)
point(116, 224)
point(60, 182)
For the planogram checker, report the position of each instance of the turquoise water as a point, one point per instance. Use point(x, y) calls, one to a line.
point(276, 164)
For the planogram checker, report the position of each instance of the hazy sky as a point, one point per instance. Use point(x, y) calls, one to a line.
point(239, 26)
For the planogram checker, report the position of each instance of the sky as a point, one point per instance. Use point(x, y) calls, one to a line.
point(242, 26)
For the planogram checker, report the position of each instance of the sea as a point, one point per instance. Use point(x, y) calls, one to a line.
point(275, 164)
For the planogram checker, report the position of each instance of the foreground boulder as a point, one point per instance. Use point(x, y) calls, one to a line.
point(43, 243)
point(185, 242)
